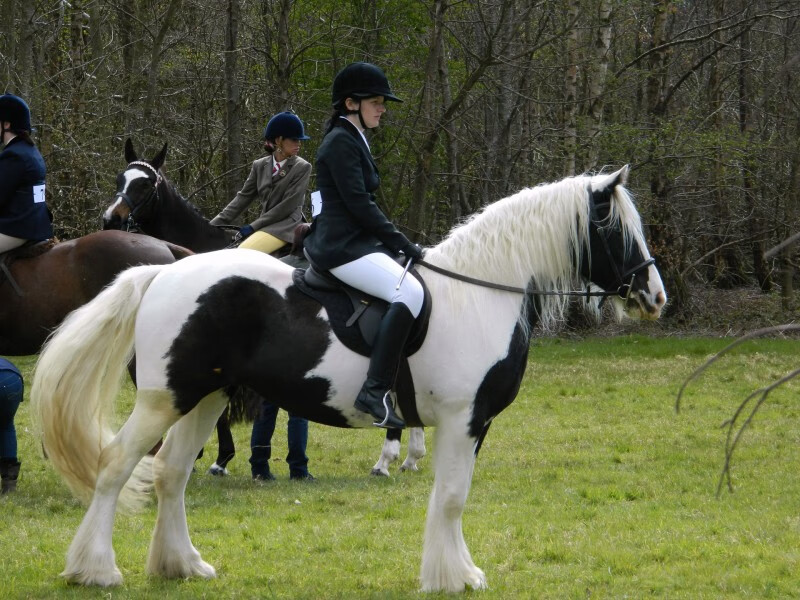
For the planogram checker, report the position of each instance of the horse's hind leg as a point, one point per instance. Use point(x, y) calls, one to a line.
point(416, 449)
point(226, 449)
point(171, 551)
point(389, 453)
point(446, 562)
point(90, 558)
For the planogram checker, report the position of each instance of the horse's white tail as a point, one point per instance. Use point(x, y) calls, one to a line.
point(77, 378)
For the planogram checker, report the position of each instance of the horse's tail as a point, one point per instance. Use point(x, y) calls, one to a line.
point(77, 378)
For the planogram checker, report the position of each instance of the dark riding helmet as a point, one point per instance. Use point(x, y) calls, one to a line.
point(14, 110)
point(361, 80)
point(285, 125)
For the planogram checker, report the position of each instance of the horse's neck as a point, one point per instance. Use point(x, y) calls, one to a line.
point(522, 240)
point(178, 222)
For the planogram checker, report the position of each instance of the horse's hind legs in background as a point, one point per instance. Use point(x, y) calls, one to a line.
point(391, 451)
point(226, 450)
point(171, 551)
point(446, 562)
point(416, 449)
point(90, 558)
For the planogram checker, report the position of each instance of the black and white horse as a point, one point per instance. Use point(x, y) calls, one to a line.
point(220, 318)
point(147, 202)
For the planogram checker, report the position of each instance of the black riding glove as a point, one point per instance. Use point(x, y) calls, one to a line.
point(413, 251)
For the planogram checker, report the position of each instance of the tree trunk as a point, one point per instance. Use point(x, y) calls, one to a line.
point(597, 82)
point(27, 34)
point(757, 222)
point(233, 105)
point(156, 54)
point(665, 242)
point(571, 90)
point(426, 127)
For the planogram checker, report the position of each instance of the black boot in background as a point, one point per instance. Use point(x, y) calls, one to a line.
point(9, 471)
point(374, 397)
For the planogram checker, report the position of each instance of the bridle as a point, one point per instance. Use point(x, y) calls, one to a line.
point(135, 209)
point(624, 280)
point(624, 284)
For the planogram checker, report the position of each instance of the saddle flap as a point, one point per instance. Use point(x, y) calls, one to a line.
point(346, 306)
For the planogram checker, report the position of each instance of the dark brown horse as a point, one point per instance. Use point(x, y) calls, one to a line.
point(48, 281)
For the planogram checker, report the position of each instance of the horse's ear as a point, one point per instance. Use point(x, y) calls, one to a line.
point(609, 182)
point(159, 159)
point(130, 153)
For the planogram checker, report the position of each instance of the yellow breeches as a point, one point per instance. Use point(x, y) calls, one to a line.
point(264, 242)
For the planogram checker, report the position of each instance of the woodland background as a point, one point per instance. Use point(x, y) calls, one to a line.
point(701, 98)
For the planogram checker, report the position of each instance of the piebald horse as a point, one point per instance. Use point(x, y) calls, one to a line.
point(222, 318)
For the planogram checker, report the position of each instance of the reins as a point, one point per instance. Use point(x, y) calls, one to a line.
point(587, 293)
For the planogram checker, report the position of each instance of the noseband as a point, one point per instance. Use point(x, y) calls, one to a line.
point(131, 223)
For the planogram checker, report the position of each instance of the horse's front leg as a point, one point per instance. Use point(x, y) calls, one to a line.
point(171, 551)
point(389, 453)
point(90, 558)
point(446, 562)
point(416, 449)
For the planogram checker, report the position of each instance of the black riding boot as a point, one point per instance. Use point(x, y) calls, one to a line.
point(9, 471)
point(374, 397)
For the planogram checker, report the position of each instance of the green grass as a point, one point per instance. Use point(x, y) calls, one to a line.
point(589, 485)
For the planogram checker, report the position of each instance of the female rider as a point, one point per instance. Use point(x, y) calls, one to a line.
point(279, 181)
point(353, 239)
point(24, 214)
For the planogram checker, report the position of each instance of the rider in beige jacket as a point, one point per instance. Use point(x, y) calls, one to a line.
point(279, 181)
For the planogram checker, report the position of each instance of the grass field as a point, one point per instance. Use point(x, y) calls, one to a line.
point(588, 486)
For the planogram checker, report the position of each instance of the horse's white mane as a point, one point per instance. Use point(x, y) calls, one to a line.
point(537, 236)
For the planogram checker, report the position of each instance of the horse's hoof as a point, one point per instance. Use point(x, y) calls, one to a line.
point(109, 579)
point(379, 473)
point(215, 469)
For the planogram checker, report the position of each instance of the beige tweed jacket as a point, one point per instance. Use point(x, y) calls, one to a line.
point(281, 197)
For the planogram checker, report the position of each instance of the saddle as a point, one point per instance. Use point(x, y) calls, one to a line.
point(29, 249)
point(355, 317)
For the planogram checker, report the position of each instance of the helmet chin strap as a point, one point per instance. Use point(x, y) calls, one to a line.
point(360, 116)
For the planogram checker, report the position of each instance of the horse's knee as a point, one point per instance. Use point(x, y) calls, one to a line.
point(167, 478)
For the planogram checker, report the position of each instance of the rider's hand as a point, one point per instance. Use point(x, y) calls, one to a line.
point(413, 251)
point(246, 231)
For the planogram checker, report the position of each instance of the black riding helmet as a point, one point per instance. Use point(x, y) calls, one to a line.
point(14, 110)
point(360, 80)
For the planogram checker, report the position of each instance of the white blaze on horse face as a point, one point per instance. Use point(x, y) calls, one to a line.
point(651, 297)
point(130, 176)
